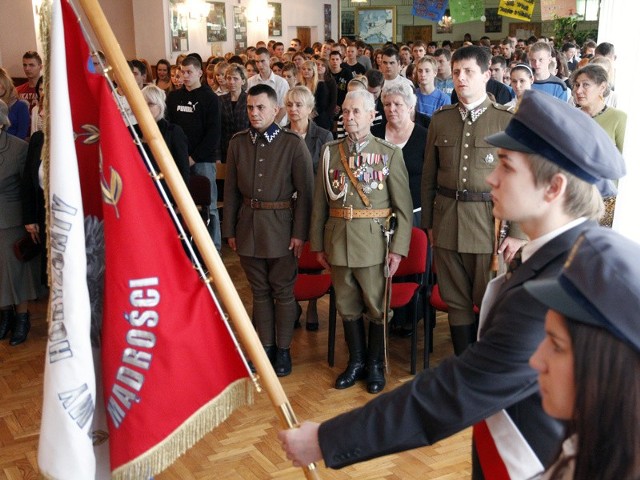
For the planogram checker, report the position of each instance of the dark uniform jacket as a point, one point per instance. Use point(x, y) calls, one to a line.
point(267, 168)
point(360, 242)
point(491, 375)
point(458, 158)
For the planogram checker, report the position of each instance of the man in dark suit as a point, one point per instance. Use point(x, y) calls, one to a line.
point(545, 182)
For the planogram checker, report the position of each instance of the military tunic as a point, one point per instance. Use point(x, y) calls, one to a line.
point(354, 246)
point(458, 158)
point(268, 167)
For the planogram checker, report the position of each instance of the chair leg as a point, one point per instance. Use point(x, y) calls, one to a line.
point(332, 328)
point(414, 329)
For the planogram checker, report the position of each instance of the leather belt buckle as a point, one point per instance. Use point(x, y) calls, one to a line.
point(462, 195)
point(350, 213)
point(254, 203)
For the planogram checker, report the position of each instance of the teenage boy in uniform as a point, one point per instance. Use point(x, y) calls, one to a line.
point(547, 183)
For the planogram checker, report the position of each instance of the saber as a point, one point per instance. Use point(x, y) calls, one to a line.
point(388, 231)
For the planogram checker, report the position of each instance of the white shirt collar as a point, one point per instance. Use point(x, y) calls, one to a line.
point(475, 104)
point(534, 245)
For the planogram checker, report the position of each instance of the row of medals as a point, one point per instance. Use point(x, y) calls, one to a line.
point(369, 178)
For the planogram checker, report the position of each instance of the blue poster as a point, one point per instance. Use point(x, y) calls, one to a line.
point(430, 9)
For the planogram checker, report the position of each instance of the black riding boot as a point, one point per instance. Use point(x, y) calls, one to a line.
point(462, 336)
point(7, 320)
point(283, 362)
point(21, 329)
point(354, 335)
point(375, 360)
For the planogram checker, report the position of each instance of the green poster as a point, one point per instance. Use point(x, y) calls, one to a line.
point(466, 10)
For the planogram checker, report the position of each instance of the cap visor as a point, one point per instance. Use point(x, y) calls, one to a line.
point(550, 292)
point(503, 140)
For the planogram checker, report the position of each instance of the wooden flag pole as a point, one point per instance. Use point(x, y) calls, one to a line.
point(220, 277)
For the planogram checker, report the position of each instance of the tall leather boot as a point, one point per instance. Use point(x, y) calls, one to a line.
point(21, 329)
point(462, 336)
point(7, 320)
point(354, 335)
point(375, 360)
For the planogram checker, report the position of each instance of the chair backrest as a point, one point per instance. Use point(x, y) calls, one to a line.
point(416, 260)
point(200, 189)
point(308, 260)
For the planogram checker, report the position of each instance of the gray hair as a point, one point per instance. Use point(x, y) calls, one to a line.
point(155, 96)
point(368, 101)
point(403, 90)
point(4, 115)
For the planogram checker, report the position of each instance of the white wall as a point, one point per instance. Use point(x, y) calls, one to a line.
point(17, 34)
point(142, 28)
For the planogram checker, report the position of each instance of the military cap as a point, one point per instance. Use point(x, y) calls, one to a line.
point(566, 136)
point(599, 285)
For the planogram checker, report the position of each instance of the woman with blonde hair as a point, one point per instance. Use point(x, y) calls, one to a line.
point(19, 120)
point(320, 90)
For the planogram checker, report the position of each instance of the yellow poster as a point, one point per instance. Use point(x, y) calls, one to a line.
point(519, 9)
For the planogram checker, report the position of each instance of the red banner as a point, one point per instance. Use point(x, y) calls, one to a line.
point(171, 371)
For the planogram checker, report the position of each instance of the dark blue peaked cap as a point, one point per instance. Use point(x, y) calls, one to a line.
point(566, 136)
point(599, 285)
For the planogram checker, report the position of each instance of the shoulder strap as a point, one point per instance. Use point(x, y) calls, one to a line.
point(352, 177)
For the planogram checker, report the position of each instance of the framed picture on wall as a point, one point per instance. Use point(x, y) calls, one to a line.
point(493, 22)
point(179, 27)
point(217, 23)
point(239, 29)
point(376, 25)
point(327, 20)
point(525, 29)
point(275, 24)
point(347, 23)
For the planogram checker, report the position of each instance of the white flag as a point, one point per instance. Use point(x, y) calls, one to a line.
point(66, 448)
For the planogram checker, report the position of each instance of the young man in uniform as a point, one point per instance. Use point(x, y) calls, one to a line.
point(546, 182)
point(361, 181)
point(456, 204)
point(266, 165)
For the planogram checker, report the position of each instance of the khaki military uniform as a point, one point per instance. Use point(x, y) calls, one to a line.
point(458, 158)
point(263, 173)
point(356, 248)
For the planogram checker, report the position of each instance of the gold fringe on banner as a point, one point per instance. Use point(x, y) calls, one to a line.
point(160, 457)
point(45, 39)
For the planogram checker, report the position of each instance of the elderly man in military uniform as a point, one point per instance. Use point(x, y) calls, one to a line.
point(456, 203)
point(362, 180)
point(266, 165)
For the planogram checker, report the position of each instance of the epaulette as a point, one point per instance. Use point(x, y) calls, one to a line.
point(499, 106)
point(385, 142)
point(444, 108)
point(241, 132)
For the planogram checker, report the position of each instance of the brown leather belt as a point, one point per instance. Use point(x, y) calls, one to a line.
point(349, 213)
point(465, 195)
point(259, 205)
